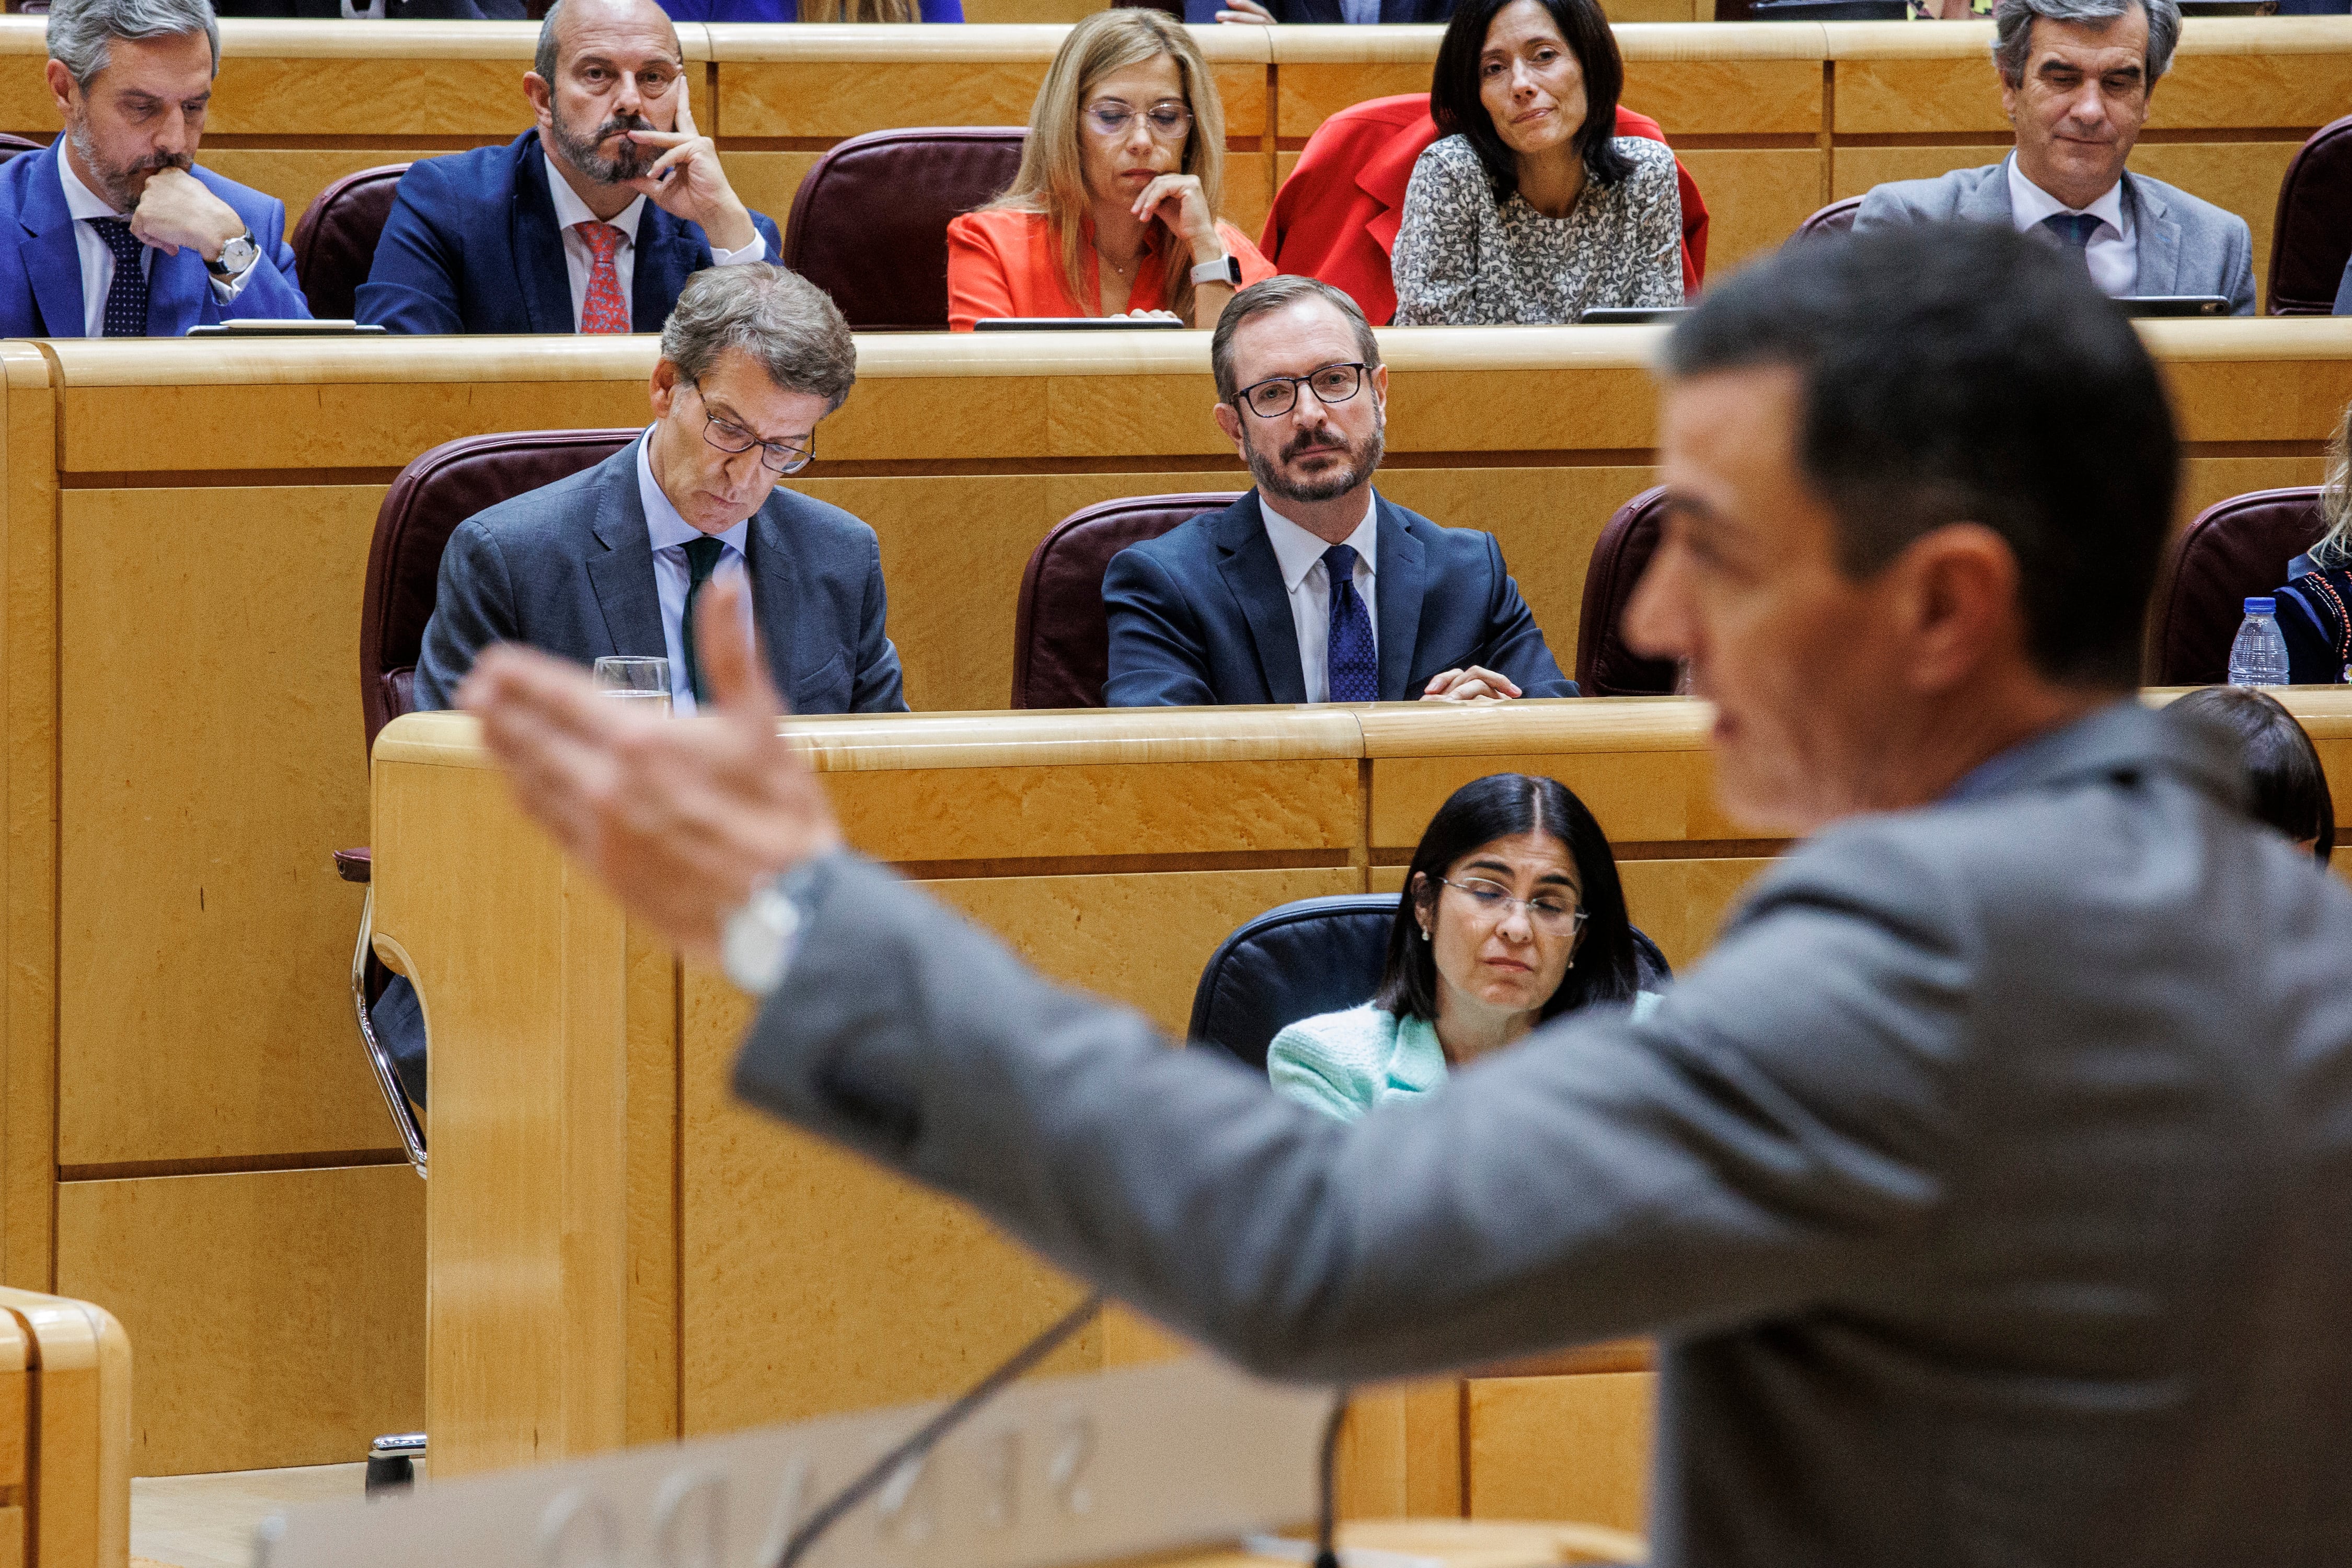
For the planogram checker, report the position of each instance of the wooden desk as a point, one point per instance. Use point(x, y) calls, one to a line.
point(65, 1434)
point(189, 1118)
point(1773, 120)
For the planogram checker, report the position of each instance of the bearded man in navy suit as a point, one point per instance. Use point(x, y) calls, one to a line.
point(117, 233)
point(590, 222)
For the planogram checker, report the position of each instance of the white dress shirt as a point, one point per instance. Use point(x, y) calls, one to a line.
point(98, 262)
point(2114, 250)
point(671, 534)
point(580, 262)
point(1308, 582)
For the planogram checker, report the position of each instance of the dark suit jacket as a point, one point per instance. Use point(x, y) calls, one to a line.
point(472, 246)
point(569, 568)
point(40, 268)
point(1327, 11)
point(1198, 616)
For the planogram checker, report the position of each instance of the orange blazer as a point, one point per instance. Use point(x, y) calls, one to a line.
point(1005, 263)
point(1337, 217)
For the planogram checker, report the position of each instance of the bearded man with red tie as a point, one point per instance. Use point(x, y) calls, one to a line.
point(590, 222)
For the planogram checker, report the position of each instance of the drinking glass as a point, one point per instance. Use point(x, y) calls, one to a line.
point(634, 679)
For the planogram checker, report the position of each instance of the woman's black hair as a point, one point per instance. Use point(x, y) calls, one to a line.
point(1503, 805)
point(1454, 103)
point(2290, 787)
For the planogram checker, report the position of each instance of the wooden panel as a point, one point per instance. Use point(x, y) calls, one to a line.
point(1756, 197)
point(209, 1015)
point(1681, 904)
point(1727, 97)
point(2242, 75)
point(2218, 396)
point(988, 12)
point(381, 94)
point(278, 1316)
point(1637, 796)
point(1947, 95)
point(651, 1312)
point(1562, 1447)
point(767, 182)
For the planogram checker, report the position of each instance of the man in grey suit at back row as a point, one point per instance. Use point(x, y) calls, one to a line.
point(2076, 79)
point(1988, 1185)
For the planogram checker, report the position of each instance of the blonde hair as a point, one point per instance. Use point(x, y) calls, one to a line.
point(1052, 180)
point(858, 11)
point(2336, 499)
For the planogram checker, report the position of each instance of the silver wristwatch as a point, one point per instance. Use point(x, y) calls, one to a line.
point(757, 941)
point(235, 255)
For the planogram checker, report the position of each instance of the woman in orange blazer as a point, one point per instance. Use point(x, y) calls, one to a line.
point(1113, 210)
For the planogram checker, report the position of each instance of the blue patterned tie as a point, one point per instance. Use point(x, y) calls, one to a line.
point(2075, 229)
point(126, 296)
point(1349, 657)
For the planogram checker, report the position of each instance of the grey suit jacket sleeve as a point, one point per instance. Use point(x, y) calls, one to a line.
point(1775, 1131)
point(879, 688)
point(473, 607)
point(2241, 268)
point(1158, 655)
point(1516, 645)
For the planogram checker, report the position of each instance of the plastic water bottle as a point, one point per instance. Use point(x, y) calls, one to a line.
point(2259, 655)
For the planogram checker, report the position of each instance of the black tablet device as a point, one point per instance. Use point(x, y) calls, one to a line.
point(1074, 324)
point(1627, 315)
point(2174, 305)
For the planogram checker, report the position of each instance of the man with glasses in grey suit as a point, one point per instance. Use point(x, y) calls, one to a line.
point(2075, 79)
point(1988, 1185)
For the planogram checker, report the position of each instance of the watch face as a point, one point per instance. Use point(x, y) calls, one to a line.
point(238, 254)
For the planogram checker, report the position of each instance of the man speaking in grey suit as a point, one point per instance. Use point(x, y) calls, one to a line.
point(1989, 1185)
point(610, 560)
point(2076, 79)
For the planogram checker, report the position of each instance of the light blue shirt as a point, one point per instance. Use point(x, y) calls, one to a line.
point(1344, 1064)
point(671, 534)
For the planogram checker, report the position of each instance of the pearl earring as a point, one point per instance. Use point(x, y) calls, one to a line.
point(1424, 933)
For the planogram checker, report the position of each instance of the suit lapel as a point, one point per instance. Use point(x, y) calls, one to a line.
point(52, 260)
point(623, 577)
point(1398, 582)
point(1988, 201)
point(177, 293)
point(665, 261)
point(775, 587)
point(2156, 240)
point(1245, 559)
point(541, 272)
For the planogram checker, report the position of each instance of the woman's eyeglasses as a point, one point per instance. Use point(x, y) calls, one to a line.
point(777, 456)
point(1166, 121)
point(1277, 396)
point(1547, 910)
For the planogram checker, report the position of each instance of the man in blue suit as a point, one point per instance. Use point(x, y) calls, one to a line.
point(112, 231)
point(1311, 588)
point(591, 222)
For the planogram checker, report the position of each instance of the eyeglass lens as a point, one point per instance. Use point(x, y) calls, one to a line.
point(734, 440)
point(1332, 384)
point(1493, 898)
point(1167, 121)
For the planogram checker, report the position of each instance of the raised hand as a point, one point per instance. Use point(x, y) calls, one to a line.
point(1246, 11)
point(688, 180)
point(680, 817)
point(176, 209)
point(1178, 201)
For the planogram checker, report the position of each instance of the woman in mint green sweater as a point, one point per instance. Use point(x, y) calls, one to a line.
point(1512, 914)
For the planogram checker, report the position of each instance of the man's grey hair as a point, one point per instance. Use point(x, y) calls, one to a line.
point(779, 318)
point(1273, 294)
point(2012, 30)
point(80, 30)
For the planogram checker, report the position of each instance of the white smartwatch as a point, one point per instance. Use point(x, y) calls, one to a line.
point(1225, 269)
point(757, 942)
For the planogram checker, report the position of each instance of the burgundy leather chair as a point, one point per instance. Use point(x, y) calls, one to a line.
point(2312, 236)
point(2236, 548)
point(869, 223)
point(1061, 637)
point(11, 145)
point(432, 496)
point(1605, 667)
point(1833, 219)
point(334, 243)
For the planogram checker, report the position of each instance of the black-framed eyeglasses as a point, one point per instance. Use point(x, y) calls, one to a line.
point(1279, 395)
point(776, 457)
point(1167, 120)
point(1552, 913)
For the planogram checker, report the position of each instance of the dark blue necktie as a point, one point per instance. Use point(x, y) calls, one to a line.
point(126, 296)
point(1348, 656)
point(701, 559)
point(2075, 229)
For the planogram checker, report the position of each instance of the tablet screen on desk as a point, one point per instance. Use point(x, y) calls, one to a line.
point(273, 327)
point(2174, 305)
point(1074, 324)
point(1627, 315)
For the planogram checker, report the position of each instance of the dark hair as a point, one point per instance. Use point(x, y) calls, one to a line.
point(2290, 787)
point(1269, 294)
point(1454, 103)
point(1502, 805)
point(1961, 371)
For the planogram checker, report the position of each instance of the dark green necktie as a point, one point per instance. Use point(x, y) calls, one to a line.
point(701, 559)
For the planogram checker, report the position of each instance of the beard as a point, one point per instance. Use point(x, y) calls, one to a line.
point(1272, 471)
point(122, 184)
point(580, 151)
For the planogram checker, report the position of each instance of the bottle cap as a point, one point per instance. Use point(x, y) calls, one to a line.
point(2265, 606)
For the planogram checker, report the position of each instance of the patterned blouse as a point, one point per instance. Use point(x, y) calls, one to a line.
point(1463, 260)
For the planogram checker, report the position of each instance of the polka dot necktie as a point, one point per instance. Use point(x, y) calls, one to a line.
point(604, 310)
point(126, 296)
point(2075, 229)
point(701, 559)
point(1353, 667)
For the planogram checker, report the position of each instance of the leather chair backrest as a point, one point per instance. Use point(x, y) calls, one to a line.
point(1605, 667)
point(2234, 550)
point(869, 224)
point(1061, 637)
point(11, 145)
point(334, 244)
point(1835, 219)
point(432, 496)
point(2313, 235)
point(1317, 955)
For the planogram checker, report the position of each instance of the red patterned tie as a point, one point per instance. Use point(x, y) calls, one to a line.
point(603, 310)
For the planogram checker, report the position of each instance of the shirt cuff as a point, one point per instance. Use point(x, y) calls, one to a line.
point(228, 288)
point(755, 251)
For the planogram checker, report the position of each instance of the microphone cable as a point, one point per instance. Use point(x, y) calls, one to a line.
point(926, 1437)
point(1327, 1513)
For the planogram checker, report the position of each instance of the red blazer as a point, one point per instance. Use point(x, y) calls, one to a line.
point(1337, 217)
